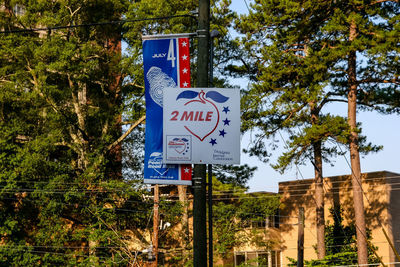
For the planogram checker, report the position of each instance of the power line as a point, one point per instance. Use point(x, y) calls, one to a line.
point(95, 24)
point(72, 183)
point(214, 199)
point(80, 205)
point(309, 183)
point(62, 191)
point(228, 197)
point(56, 247)
point(54, 253)
point(247, 6)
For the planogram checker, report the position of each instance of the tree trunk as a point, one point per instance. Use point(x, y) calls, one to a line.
point(300, 239)
point(319, 200)
point(354, 154)
point(319, 188)
point(185, 216)
point(115, 154)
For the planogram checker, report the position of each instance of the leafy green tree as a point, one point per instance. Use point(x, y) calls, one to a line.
point(64, 92)
point(63, 200)
point(364, 53)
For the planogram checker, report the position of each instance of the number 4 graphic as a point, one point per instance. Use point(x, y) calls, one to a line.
point(171, 53)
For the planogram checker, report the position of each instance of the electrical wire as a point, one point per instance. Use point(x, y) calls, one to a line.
point(217, 197)
point(78, 205)
point(95, 24)
point(54, 253)
point(56, 247)
point(309, 183)
point(247, 6)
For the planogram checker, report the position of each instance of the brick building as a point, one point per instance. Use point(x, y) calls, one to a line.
point(381, 201)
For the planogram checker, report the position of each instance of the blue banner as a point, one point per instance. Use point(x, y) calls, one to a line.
point(161, 70)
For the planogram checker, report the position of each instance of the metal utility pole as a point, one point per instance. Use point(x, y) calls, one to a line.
point(199, 171)
point(300, 239)
point(210, 219)
point(199, 216)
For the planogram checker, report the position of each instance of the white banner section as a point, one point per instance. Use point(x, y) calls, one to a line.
point(201, 125)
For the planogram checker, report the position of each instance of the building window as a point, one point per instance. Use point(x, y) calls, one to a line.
point(273, 221)
point(260, 223)
point(276, 217)
point(268, 222)
point(240, 258)
point(19, 10)
point(258, 258)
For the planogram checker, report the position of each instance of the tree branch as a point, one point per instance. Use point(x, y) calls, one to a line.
point(22, 138)
point(381, 1)
point(396, 80)
point(335, 100)
point(119, 140)
point(134, 85)
point(327, 99)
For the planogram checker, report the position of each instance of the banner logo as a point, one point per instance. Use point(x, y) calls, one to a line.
point(179, 147)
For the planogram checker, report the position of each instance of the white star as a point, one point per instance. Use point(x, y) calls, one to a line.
point(184, 44)
point(186, 170)
point(185, 70)
point(184, 57)
point(185, 84)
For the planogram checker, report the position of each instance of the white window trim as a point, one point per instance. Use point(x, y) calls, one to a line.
point(259, 251)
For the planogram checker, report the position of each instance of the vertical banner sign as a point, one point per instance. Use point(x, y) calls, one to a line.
point(166, 65)
point(202, 125)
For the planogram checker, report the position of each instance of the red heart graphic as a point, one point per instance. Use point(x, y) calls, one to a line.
point(207, 129)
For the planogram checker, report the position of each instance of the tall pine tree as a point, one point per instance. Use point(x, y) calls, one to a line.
point(289, 93)
point(63, 200)
point(308, 54)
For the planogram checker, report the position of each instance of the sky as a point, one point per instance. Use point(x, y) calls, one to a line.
point(380, 130)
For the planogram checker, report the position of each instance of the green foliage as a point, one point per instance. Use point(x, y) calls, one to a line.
point(237, 175)
point(234, 211)
point(62, 198)
point(304, 55)
point(289, 93)
point(63, 93)
point(340, 243)
point(178, 17)
point(295, 52)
